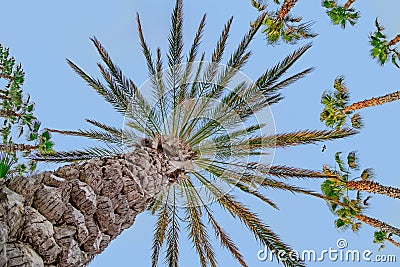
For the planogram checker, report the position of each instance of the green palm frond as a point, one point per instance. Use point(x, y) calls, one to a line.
point(383, 49)
point(78, 155)
point(340, 15)
point(335, 102)
point(225, 239)
point(251, 220)
point(289, 29)
point(218, 230)
point(288, 172)
point(300, 138)
point(115, 139)
point(184, 85)
point(172, 234)
point(159, 233)
point(197, 229)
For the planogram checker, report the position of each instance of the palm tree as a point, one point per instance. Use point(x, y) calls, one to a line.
point(381, 236)
point(337, 108)
point(340, 15)
point(382, 48)
point(281, 25)
point(17, 119)
point(374, 187)
point(350, 211)
point(378, 224)
point(171, 151)
point(397, 244)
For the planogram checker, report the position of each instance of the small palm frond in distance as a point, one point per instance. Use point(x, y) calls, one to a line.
point(341, 15)
point(260, 5)
point(383, 49)
point(289, 29)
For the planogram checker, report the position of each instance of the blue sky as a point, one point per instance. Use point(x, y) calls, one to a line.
point(41, 34)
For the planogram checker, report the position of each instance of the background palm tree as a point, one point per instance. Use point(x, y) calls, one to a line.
point(350, 211)
point(382, 48)
point(281, 25)
point(165, 152)
point(337, 108)
point(341, 15)
point(381, 236)
point(18, 123)
point(374, 187)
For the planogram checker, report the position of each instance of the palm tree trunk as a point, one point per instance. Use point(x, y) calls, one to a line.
point(378, 224)
point(397, 244)
point(17, 147)
point(374, 187)
point(8, 114)
point(395, 40)
point(66, 217)
point(373, 102)
point(8, 77)
point(348, 4)
point(285, 9)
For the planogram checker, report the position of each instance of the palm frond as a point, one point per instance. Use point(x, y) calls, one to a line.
point(288, 172)
point(145, 48)
point(159, 233)
point(77, 155)
point(219, 232)
point(251, 220)
point(301, 137)
point(272, 75)
point(197, 229)
point(224, 238)
point(112, 138)
point(190, 59)
point(175, 59)
point(237, 60)
point(172, 253)
point(99, 88)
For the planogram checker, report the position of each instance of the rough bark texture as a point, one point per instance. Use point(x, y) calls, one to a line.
point(397, 244)
point(374, 187)
point(66, 217)
point(373, 102)
point(348, 4)
point(395, 40)
point(285, 9)
point(378, 224)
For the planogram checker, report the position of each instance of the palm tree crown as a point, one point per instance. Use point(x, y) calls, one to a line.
point(341, 15)
point(280, 25)
point(382, 48)
point(209, 130)
point(337, 108)
point(349, 211)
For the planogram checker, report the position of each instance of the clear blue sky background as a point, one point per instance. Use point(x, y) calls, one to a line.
point(41, 34)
